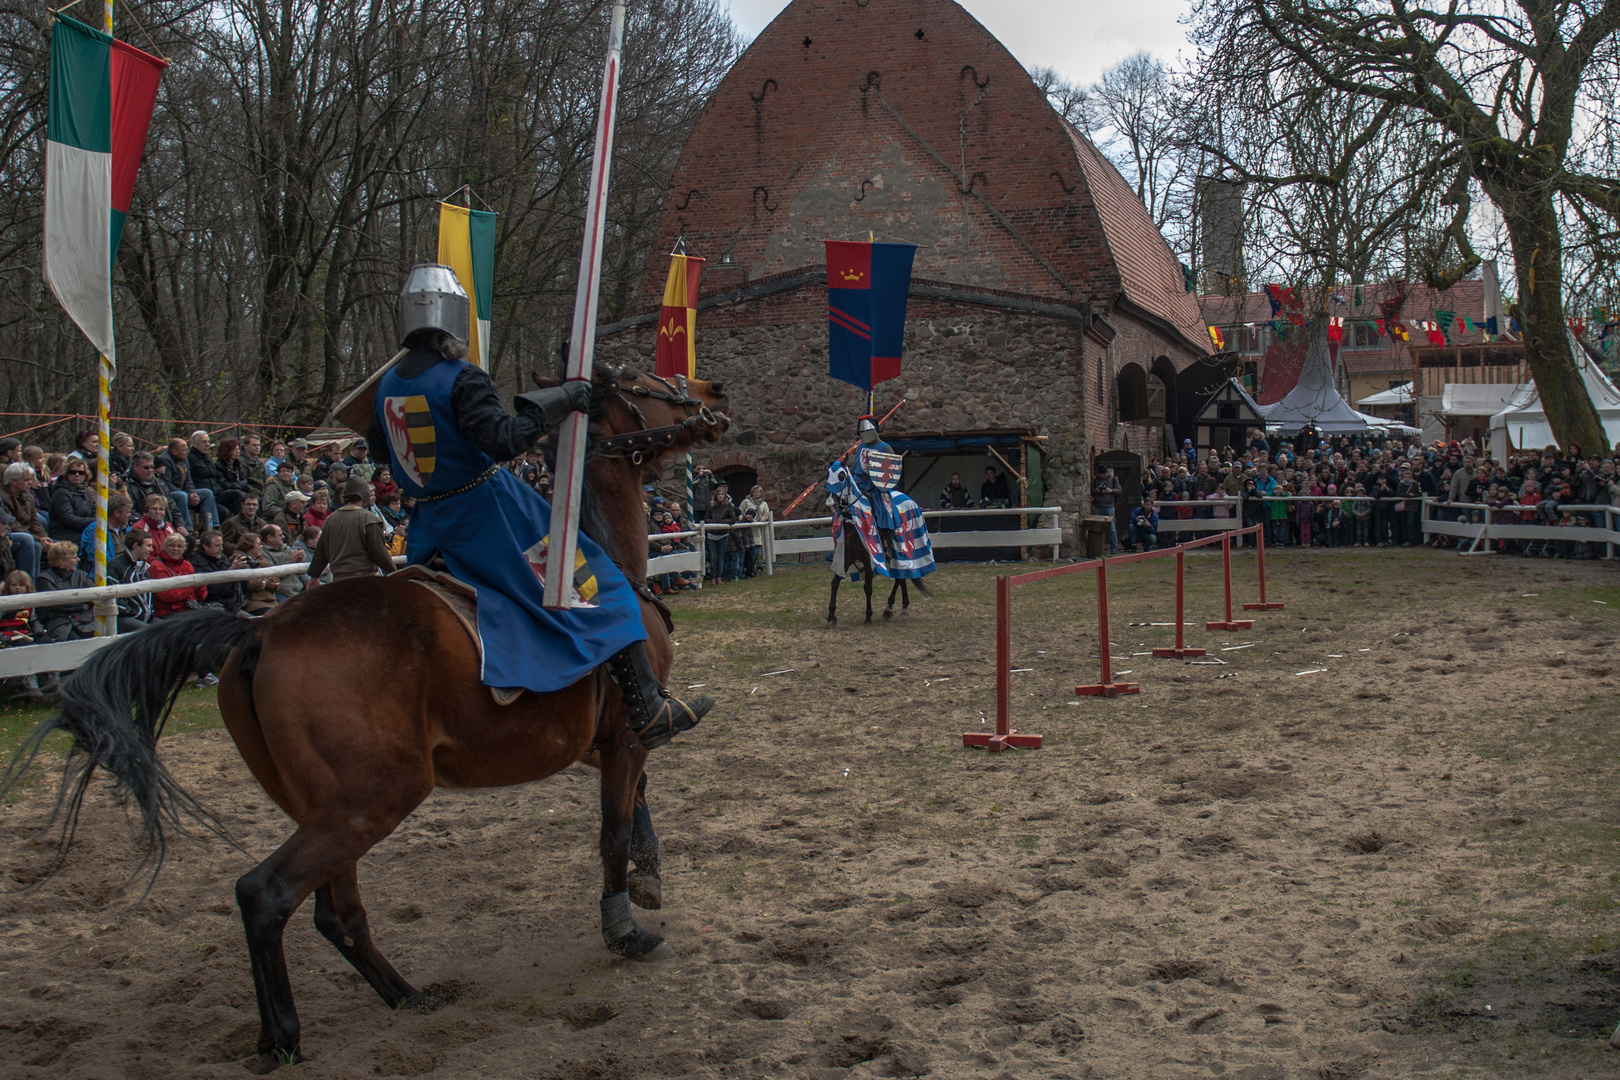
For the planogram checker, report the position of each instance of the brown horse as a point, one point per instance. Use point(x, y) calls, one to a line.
point(406, 715)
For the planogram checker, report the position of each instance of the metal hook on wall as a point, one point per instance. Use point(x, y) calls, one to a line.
point(874, 81)
point(969, 67)
point(765, 88)
point(1068, 189)
point(974, 181)
point(766, 200)
point(687, 201)
point(860, 196)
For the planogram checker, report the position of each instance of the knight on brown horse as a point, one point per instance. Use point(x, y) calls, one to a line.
point(409, 709)
point(442, 423)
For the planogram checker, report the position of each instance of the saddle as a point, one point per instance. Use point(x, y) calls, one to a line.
point(462, 600)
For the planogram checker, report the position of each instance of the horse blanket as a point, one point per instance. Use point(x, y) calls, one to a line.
point(913, 554)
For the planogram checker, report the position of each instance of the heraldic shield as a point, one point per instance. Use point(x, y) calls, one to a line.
point(411, 435)
point(882, 468)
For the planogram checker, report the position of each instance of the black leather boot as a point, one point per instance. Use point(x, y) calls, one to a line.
point(655, 716)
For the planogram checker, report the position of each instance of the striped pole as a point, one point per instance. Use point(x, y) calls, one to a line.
point(563, 545)
point(106, 611)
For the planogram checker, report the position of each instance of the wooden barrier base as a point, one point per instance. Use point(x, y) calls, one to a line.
point(1274, 605)
point(1108, 689)
point(1230, 624)
point(996, 743)
point(1176, 654)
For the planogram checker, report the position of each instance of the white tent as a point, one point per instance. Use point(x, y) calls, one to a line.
point(1315, 403)
point(1523, 424)
point(1395, 395)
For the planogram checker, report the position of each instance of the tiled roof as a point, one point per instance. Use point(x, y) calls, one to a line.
point(1149, 271)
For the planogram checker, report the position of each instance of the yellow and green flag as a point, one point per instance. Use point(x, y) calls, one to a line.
point(467, 246)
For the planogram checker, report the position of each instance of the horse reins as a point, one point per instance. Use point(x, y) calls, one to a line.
point(639, 445)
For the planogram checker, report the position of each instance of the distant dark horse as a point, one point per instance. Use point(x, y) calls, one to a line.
point(841, 495)
point(404, 712)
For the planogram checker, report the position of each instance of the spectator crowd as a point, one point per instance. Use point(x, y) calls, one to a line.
point(193, 507)
point(1349, 491)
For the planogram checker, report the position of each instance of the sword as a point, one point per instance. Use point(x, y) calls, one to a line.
point(794, 505)
point(563, 546)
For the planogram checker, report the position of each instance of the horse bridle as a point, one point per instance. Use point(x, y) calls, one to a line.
point(638, 446)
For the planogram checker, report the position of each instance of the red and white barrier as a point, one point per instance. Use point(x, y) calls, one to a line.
point(1005, 735)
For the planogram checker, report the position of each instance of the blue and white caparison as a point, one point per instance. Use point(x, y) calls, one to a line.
point(912, 557)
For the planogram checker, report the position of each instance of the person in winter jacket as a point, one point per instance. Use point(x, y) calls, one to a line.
point(69, 622)
point(171, 562)
point(73, 502)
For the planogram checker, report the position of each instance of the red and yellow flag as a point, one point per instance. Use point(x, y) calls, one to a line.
point(677, 319)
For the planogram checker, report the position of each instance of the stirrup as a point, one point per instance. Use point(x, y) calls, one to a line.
point(673, 717)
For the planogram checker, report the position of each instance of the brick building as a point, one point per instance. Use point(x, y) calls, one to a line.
point(1048, 320)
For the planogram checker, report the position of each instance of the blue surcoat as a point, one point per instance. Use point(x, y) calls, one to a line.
point(487, 535)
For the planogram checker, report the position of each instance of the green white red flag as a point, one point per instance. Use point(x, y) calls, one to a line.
point(101, 97)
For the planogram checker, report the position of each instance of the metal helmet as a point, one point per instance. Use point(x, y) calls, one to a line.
point(432, 299)
point(867, 429)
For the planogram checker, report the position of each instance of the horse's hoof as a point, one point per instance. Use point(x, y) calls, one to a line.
point(646, 891)
point(888, 613)
point(639, 944)
point(268, 1061)
point(831, 623)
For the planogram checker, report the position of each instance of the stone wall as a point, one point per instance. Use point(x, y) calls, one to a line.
point(967, 367)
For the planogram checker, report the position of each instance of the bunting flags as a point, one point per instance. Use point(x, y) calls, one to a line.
point(867, 285)
point(1335, 329)
point(1187, 280)
point(1432, 331)
point(676, 346)
point(1382, 331)
point(1445, 318)
point(467, 246)
point(1218, 338)
point(101, 97)
point(1397, 331)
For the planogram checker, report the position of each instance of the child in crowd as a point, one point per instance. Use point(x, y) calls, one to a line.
point(18, 627)
point(1333, 524)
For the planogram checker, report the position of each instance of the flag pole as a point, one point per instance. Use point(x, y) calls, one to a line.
point(106, 611)
point(563, 546)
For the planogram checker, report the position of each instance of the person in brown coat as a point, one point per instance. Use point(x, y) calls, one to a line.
point(351, 541)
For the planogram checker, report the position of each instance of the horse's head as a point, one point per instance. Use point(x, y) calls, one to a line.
point(840, 487)
point(645, 417)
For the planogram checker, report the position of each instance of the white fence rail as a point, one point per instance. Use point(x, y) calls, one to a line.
point(1482, 532)
point(1047, 534)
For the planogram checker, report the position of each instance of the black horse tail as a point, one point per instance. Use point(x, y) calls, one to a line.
point(917, 583)
point(114, 708)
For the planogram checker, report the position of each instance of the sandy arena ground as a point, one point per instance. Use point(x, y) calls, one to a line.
point(1380, 841)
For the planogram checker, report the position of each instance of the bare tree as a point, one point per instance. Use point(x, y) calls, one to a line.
point(297, 159)
point(1518, 96)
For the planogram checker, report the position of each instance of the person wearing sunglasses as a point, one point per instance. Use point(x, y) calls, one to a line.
point(73, 502)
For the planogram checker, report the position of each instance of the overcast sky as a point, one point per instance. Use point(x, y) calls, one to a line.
point(1077, 37)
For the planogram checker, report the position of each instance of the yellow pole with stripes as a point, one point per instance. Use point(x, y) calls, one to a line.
point(106, 610)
